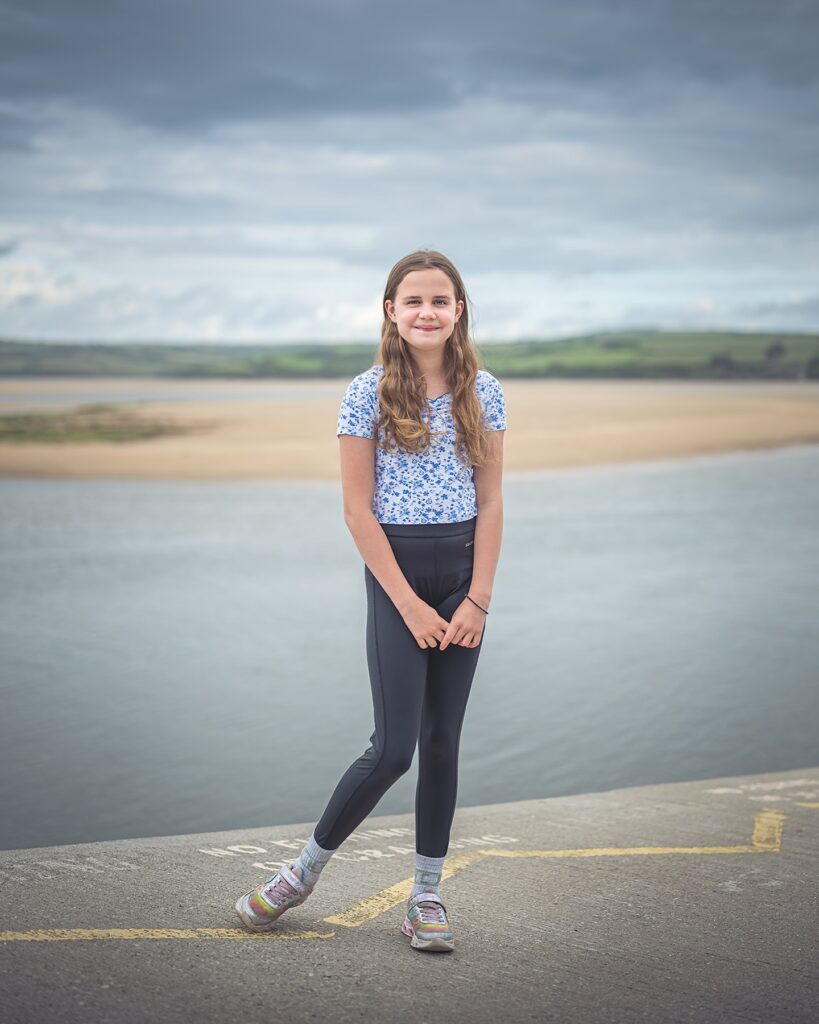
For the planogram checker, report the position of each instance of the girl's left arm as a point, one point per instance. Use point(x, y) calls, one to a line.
point(488, 480)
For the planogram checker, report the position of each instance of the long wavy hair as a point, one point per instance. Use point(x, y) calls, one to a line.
point(402, 389)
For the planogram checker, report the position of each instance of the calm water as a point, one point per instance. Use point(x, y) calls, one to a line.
point(190, 656)
point(71, 393)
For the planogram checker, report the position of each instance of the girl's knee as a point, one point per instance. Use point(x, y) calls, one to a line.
point(439, 748)
point(396, 762)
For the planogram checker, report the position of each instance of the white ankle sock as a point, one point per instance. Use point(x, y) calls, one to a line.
point(428, 871)
point(312, 860)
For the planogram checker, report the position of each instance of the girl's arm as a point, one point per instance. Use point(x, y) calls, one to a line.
point(489, 527)
point(358, 486)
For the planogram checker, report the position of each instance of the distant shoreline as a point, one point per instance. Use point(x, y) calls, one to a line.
point(286, 429)
point(630, 353)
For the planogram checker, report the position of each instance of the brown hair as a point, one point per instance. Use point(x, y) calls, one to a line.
point(402, 390)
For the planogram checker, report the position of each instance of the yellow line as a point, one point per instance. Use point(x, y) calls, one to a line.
point(768, 830)
point(805, 805)
point(373, 906)
point(767, 838)
point(621, 851)
point(69, 934)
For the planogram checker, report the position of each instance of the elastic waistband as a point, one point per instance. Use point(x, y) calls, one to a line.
point(430, 529)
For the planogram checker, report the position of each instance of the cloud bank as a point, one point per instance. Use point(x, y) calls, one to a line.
point(209, 172)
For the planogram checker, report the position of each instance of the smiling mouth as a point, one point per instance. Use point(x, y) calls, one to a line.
point(426, 328)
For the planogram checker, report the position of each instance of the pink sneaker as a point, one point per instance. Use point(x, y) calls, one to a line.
point(261, 908)
point(427, 923)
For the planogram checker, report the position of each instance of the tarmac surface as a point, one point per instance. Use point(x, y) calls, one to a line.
point(694, 901)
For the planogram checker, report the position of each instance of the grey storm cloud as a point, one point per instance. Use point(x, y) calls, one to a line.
point(199, 170)
point(183, 63)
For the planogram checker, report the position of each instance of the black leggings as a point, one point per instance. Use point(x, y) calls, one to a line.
point(419, 694)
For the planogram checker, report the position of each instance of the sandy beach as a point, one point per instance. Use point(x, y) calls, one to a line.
point(286, 429)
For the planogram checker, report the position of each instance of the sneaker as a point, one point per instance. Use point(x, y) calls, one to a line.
point(261, 908)
point(426, 922)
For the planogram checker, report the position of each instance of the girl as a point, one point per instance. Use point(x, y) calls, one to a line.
point(421, 445)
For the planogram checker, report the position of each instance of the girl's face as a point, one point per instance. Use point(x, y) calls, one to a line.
point(425, 310)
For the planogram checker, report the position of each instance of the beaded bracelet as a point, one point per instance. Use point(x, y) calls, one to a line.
point(478, 606)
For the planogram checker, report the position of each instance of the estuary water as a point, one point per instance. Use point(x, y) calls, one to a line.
point(189, 657)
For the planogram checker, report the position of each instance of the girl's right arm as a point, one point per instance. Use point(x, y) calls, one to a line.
point(358, 485)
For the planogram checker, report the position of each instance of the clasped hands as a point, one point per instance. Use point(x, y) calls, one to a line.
point(429, 628)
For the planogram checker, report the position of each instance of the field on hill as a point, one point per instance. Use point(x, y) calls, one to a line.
point(703, 355)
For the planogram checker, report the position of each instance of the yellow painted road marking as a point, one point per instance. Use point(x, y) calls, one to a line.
point(768, 830)
point(373, 906)
point(767, 838)
point(805, 805)
point(67, 934)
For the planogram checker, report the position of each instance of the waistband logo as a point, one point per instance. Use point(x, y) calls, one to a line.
point(468, 543)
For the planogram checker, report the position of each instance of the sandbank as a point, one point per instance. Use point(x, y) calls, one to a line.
point(286, 429)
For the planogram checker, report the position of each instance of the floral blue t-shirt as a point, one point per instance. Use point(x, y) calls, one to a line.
point(433, 486)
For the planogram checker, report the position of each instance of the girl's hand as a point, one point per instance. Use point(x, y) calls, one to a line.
point(425, 624)
point(466, 626)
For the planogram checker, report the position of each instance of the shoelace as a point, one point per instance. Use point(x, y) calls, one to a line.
point(280, 890)
point(431, 913)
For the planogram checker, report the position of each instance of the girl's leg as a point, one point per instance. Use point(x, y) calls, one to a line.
point(449, 681)
point(398, 669)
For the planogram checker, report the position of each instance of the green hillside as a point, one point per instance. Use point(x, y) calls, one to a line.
point(633, 353)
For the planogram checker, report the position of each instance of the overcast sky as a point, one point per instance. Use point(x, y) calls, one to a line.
point(250, 170)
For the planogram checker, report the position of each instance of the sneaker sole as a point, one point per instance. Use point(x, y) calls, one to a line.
point(434, 945)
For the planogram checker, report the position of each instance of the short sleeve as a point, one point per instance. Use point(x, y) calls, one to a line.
point(492, 399)
point(359, 408)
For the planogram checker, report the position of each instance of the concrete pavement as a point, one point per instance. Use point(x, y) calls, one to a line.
point(692, 901)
